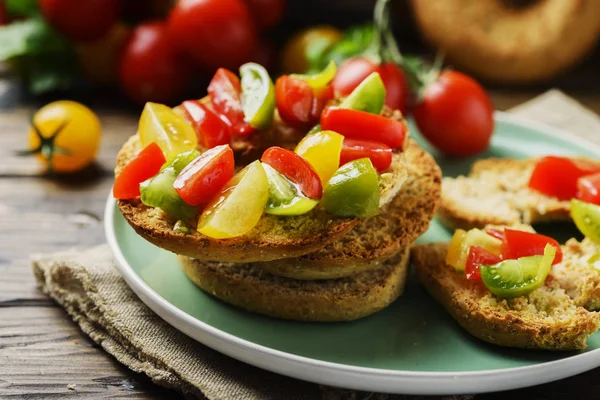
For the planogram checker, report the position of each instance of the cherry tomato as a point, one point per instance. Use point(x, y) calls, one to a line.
point(455, 115)
point(205, 176)
point(294, 100)
point(225, 92)
point(380, 154)
point(296, 169)
point(478, 256)
point(77, 131)
point(588, 188)
point(99, 60)
point(356, 124)
point(216, 33)
point(143, 166)
point(150, 70)
point(354, 70)
point(81, 20)
point(518, 244)
point(300, 48)
point(211, 130)
point(267, 13)
point(557, 176)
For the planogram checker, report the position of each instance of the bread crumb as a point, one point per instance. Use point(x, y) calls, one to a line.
point(71, 386)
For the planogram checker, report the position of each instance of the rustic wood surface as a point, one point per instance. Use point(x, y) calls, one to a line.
point(42, 352)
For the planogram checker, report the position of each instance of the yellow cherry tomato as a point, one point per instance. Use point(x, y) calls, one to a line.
point(461, 242)
point(239, 206)
point(171, 132)
point(322, 150)
point(307, 44)
point(76, 130)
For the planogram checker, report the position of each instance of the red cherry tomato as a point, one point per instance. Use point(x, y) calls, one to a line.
point(588, 188)
point(557, 176)
point(150, 70)
point(356, 124)
point(354, 70)
point(216, 33)
point(296, 169)
point(294, 99)
point(267, 13)
point(81, 20)
point(518, 244)
point(211, 129)
point(143, 166)
point(380, 154)
point(225, 92)
point(321, 97)
point(204, 177)
point(456, 115)
point(478, 256)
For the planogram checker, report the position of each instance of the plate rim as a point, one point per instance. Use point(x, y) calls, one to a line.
point(346, 375)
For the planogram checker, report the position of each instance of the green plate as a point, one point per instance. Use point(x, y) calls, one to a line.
point(412, 347)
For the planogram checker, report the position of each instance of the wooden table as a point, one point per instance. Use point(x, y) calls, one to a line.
point(42, 352)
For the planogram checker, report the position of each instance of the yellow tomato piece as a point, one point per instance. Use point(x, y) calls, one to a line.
point(239, 206)
point(458, 249)
point(78, 139)
point(171, 132)
point(322, 150)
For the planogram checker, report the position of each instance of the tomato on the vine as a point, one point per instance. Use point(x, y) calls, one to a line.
point(216, 33)
point(267, 13)
point(150, 69)
point(81, 20)
point(354, 70)
point(455, 115)
point(99, 60)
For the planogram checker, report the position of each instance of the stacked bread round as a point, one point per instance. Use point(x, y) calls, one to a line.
point(312, 267)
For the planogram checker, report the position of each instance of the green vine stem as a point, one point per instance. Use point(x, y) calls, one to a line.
point(47, 147)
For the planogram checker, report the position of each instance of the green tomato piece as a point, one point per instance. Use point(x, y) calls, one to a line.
point(284, 197)
point(258, 95)
point(159, 192)
point(587, 218)
point(514, 278)
point(181, 160)
point(353, 191)
point(321, 79)
point(369, 96)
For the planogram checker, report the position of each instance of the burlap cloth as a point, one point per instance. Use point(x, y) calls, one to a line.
point(89, 287)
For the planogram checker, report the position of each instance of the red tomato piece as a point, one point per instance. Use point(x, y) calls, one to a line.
point(211, 129)
point(143, 166)
point(518, 244)
point(81, 20)
point(478, 256)
point(320, 99)
point(588, 188)
point(380, 154)
point(149, 69)
point(557, 176)
point(351, 73)
point(202, 179)
point(296, 169)
point(294, 99)
point(356, 124)
point(225, 91)
point(497, 233)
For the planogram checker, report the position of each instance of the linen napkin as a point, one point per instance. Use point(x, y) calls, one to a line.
point(89, 287)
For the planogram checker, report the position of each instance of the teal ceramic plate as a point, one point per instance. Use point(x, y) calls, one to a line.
point(412, 347)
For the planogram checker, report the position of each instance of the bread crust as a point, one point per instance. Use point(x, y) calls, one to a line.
point(334, 300)
point(519, 322)
point(376, 239)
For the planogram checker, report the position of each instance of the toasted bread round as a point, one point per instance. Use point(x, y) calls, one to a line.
point(345, 299)
point(546, 318)
point(271, 239)
point(378, 238)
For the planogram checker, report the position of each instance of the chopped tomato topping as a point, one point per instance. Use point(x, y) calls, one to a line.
point(202, 179)
point(296, 169)
point(380, 154)
point(143, 166)
point(497, 233)
point(211, 129)
point(356, 124)
point(298, 104)
point(225, 92)
point(478, 256)
point(518, 244)
point(588, 188)
point(557, 176)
